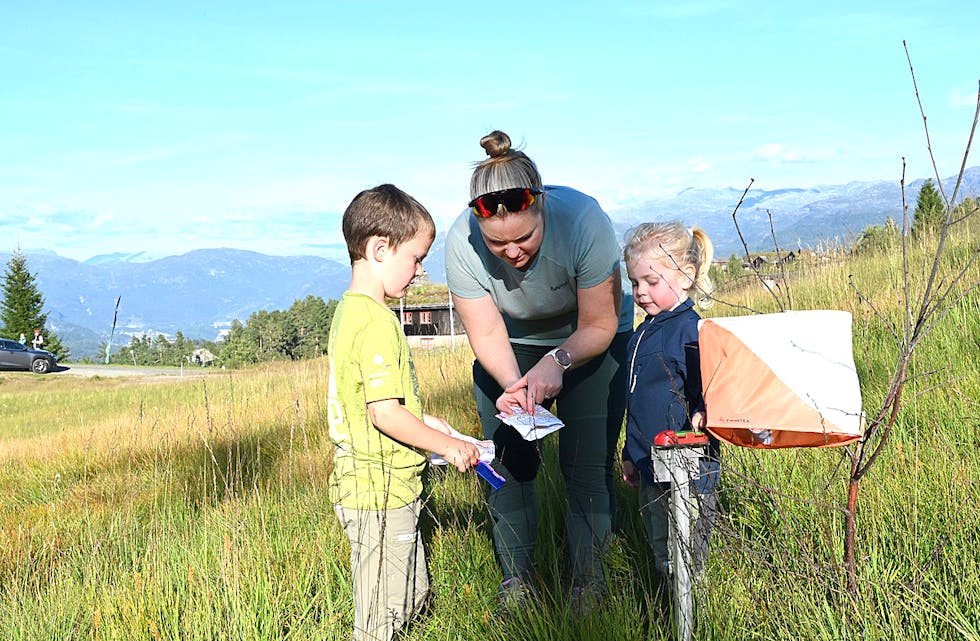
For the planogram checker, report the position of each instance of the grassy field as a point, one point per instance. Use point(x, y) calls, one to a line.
point(197, 509)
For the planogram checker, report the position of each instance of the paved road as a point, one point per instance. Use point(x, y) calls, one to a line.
point(72, 369)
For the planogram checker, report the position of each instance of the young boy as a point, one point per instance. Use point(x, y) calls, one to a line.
point(375, 413)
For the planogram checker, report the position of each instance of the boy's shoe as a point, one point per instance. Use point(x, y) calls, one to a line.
point(514, 595)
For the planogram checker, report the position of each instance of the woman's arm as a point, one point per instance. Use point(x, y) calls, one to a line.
point(598, 320)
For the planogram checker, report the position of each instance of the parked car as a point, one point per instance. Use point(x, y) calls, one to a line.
point(15, 355)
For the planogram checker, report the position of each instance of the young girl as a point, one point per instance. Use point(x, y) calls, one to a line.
point(667, 264)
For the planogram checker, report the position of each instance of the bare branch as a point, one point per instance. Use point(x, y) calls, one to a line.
point(925, 125)
point(968, 214)
point(779, 257)
point(951, 304)
point(745, 245)
point(736, 305)
point(939, 385)
point(966, 154)
point(906, 321)
point(734, 220)
point(864, 299)
point(927, 296)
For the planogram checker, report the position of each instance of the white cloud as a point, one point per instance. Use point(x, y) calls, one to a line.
point(771, 151)
point(779, 153)
point(103, 218)
point(698, 165)
point(960, 99)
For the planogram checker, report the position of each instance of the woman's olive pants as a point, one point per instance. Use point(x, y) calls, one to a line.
point(591, 405)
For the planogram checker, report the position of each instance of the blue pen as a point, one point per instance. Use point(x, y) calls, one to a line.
point(490, 475)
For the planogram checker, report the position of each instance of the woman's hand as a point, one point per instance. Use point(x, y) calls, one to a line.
point(515, 395)
point(544, 380)
point(541, 382)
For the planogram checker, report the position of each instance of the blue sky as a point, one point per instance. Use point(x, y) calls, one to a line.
point(166, 127)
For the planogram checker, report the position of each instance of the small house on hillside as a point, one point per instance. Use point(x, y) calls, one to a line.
point(788, 258)
point(428, 321)
point(202, 357)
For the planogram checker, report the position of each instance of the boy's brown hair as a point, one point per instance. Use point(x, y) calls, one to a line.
point(386, 211)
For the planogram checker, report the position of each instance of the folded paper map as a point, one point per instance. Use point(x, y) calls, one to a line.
point(532, 427)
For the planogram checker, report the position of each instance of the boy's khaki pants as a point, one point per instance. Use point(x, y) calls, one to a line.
point(387, 567)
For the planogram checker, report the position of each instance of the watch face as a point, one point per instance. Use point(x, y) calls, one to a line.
point(564, 358)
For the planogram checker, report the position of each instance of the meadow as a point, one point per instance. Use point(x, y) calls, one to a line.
point(197, 509)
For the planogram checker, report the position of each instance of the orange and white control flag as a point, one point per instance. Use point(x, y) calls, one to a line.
point(781, 380)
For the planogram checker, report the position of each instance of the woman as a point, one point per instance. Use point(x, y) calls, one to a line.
point(534, 273)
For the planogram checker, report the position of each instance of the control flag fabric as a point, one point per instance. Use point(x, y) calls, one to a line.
point(781, 380)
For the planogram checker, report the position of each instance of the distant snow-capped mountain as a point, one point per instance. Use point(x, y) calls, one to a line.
point(800, 217)
point(200, 292)
point(203, 291)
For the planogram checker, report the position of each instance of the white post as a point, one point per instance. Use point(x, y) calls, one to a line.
point(680, 509)
point(679, 465)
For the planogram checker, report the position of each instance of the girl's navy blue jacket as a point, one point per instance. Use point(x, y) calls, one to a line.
point(664, 386)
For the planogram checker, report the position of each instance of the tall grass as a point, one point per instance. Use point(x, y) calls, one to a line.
point(197, 509)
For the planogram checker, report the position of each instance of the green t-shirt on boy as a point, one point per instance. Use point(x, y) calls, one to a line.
point(370, 361)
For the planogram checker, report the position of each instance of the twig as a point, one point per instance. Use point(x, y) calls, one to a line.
point(779, 257)
point(745, 245)
point(906, 321)
point(738, 230)
point(864, 299)
point(966, 153)
point(925, 124)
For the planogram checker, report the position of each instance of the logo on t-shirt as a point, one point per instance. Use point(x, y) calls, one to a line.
point(377, 378)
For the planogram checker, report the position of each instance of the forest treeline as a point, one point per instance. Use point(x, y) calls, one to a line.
point(296, 333)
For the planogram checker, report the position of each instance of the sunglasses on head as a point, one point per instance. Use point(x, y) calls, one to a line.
point(514, 200)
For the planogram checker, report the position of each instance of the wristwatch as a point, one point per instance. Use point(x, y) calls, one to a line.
point(563, 358)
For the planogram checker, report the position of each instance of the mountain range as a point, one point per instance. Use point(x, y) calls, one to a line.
point(201, 292)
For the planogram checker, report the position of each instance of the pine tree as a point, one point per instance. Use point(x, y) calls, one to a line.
point(930, 212)
point(22, 308)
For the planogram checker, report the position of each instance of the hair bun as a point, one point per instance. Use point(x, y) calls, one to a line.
point(496, 143)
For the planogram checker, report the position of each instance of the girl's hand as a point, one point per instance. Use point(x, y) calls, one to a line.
point(698, 421)
point(630, 474)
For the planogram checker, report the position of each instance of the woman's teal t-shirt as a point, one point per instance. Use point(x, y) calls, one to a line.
point(540, 305)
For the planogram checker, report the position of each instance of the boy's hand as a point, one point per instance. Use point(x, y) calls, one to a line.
point(698, 421)
point(630, 474)
point(461, 454)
